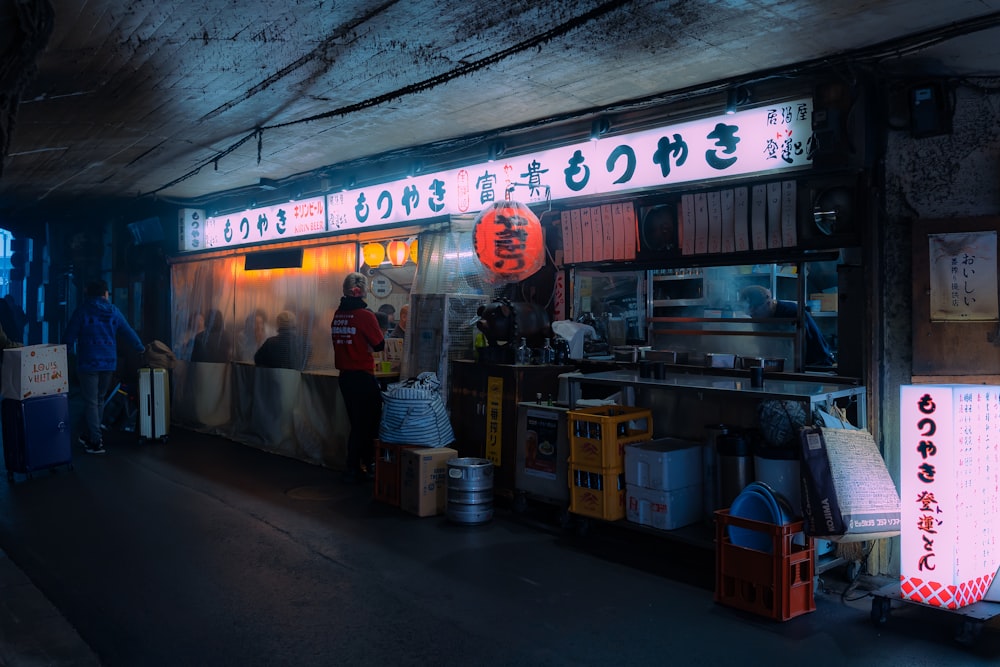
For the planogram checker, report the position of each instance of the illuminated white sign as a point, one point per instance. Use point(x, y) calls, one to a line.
point(758, 140)
point(191, 228)
point(950, 490)
point(282, 222)
point(767, 139)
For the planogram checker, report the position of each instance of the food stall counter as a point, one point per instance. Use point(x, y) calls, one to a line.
point(819, 392)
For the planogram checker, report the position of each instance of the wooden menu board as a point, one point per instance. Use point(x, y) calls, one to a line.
point(948, 348)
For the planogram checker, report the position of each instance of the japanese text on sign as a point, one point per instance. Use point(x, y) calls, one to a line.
point(963, 273)
point(950, 488)
point(757, 140)
point(766, 139)
point(286, 221)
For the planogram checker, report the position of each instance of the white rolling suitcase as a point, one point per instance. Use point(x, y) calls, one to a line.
point(154, 404)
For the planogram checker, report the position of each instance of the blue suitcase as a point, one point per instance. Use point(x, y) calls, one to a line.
point(36, 434)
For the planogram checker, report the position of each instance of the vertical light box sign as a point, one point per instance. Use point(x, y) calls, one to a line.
point(950, 490)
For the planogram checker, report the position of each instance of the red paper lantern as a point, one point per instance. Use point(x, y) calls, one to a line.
point(396, 252)
point(509, 242)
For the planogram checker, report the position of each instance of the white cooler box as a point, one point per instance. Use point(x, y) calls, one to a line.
point(665, 463)
point(663, 480)
point(666, 510)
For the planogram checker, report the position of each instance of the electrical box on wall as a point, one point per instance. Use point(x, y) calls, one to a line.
point(930, 114)
point(842, 135)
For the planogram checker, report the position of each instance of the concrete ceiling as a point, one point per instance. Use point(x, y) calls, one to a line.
point(138, 98)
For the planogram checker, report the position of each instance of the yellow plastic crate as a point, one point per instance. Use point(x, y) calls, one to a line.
point(597, 492)
point(598, 435)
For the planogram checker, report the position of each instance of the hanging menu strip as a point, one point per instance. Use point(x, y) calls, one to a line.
point(687, 224)
point(735, 220)
point(618, 222)
point(567, 237)
point(588, 235)
point(728, 223)
point(575, 218)
point(700, 223)
point(758, 219)
point(608, 225)
point(741, 208)
point(774, 215)
point(597, 229)
point(714, 222)
point(631, 230)
point(789, 239)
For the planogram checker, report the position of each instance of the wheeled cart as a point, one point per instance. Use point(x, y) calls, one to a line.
point(36, 434)
point(970, 618)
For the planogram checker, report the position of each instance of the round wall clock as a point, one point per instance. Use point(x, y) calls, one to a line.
point(381, 286)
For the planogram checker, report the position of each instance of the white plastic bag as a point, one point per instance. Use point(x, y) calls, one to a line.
point(413, 413)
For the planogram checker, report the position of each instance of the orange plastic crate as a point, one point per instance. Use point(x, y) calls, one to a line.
point(597, 492)
point(777, 585)
point(387, 472)
point(598, 435)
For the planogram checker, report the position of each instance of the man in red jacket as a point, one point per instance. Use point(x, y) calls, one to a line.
point(356, 334)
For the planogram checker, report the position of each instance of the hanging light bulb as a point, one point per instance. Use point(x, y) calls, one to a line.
point(373, 254)
point(397, 252)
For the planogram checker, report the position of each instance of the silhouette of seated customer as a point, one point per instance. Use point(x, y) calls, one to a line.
point(287, 349)
point(214, 344)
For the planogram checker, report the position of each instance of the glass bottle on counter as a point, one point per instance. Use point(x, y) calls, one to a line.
point(548, 354)
point(478, 343)
point(522, 355)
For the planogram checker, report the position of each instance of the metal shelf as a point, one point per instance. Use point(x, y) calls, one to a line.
point(818, 392)
point(673, 278)
point(668, 303)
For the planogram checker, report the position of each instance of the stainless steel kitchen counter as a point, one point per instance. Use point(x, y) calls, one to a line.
point(820, 392)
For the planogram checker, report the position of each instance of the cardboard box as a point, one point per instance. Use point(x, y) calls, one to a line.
point(827, 302)
point(424, 479)
point(666, 510)
point(666, 463)
point(34, 370)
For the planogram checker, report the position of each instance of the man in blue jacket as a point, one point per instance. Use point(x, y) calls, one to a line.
point(760, 304)
point(94, 327)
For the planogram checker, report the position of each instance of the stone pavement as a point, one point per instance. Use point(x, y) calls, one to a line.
point(32, 631)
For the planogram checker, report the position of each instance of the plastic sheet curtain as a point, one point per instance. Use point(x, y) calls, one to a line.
point(448, 262)
point(448, 287)
point(244, 305)
point(198, 288)
point(223, 314)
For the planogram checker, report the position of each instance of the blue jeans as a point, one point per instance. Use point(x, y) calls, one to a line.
point(94, 386)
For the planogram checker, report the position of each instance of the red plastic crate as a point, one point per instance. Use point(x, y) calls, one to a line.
point(777, 585)
point(387, 472)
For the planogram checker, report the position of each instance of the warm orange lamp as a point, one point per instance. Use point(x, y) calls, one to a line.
point(397, 252)
point(373, 254)
point(413, 251)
